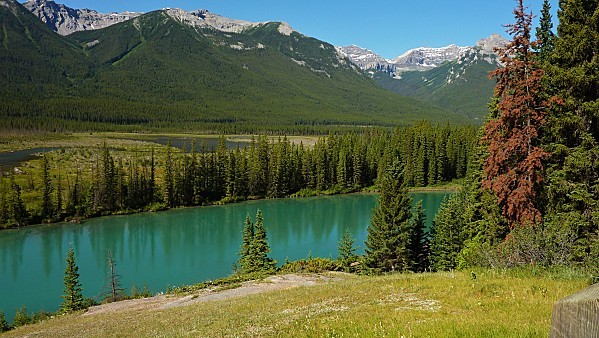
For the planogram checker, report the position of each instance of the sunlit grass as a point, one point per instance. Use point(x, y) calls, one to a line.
point(495, 303)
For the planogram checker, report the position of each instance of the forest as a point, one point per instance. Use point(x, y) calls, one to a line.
point(104, 181)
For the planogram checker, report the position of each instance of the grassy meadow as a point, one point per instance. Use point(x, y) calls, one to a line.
point(495, 303)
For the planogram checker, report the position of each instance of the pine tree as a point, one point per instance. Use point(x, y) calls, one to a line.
point(169, 178)
point(72, 298)
point(47, 209)
point(572, 132)
point(447, 234)
point(388, 237)
point(21, 317)
point(58, 206)
point(418, 242)
point(18, 212)
point(260, 246)
point(545, 36)
point(346, 250)
point(247, 241)
point(514, 168)
point(4, 326)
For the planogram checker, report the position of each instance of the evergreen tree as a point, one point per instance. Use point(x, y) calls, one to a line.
point(448, 237)
point(387, 243)
point(244, 264)
point(47, 211)
point(58, 206)
point(169, 178)
point(346, 250)
point(418, 246)
point(544, 34)
point(18, 212)
point(260, 247)
point(72, 298)
point(514, 168)
point(572, 132)
point(21, 317)
point(4, 326)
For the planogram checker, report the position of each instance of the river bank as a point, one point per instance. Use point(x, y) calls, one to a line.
point(499, 303)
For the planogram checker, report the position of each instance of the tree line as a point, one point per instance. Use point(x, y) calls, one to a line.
point(266, 168)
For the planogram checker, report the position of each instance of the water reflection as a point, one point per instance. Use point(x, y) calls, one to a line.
point(175, 247)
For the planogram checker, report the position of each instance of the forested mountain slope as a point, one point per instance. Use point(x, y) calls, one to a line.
point(160, 70)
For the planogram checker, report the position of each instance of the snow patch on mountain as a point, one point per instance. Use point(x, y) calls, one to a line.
point(423, 58)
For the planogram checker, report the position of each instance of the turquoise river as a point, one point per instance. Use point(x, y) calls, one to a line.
point(176, 247)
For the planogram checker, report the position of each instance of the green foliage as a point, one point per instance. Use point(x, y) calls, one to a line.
point(105, 180)
point(346, 251)
point(157, 73)
point(253, 255)
point(387, 243)
point(72, 298)
point(21, 317)
point(310, 265)
point(544, 33)
point(4, 326)
point(419, 242)
point(466, 95)
point(136, 293)
point(448, 237)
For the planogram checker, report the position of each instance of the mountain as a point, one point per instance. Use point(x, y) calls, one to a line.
point(34, 61)
point(461, 85)
point(422, 58)
point(452, 77)
point(188, 71)
point(65, 20)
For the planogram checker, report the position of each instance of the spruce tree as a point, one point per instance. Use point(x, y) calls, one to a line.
point(418, 245)
point(448, 237)
point(169, 178)
point(18, 212)
point(246, 250)
point(260, 247)
point(387, 243)
point(572, 132)
point(544, 33)
point(4, 326)
point(47, 211)
point(514, 168)
point(346, 250)
point(72, 298)
point(21, 317)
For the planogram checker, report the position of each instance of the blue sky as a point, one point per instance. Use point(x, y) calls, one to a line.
point(388, 28)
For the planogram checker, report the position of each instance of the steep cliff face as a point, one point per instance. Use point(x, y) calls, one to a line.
point(65, 20)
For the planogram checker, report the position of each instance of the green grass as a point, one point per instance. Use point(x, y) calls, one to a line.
point(495, 304)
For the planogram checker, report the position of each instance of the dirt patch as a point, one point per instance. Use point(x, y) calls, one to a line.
point(272, 283)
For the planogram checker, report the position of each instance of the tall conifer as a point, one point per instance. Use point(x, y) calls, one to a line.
point(72, 298)
point(514, 168)
point(387, 243)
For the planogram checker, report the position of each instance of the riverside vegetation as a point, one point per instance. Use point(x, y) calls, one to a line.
point(76, 183)
point(528, 203)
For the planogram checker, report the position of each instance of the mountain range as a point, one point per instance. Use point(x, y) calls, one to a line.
point(452, 77)
point(184, 70)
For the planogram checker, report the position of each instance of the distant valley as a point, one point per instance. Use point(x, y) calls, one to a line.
point(172, 69)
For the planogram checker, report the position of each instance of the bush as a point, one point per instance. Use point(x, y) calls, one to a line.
point(21, 317)
point(310, 265)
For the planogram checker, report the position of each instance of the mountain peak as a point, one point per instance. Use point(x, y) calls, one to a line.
point(65, 20)
point(488, 44)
